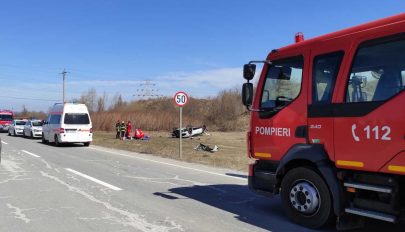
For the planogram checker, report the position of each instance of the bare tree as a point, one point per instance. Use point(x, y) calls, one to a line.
point(89, 98)
point(24, 112)
point(117, 102)
point(101, 102)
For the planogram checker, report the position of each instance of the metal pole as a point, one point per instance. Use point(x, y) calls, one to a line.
point(180, 135)
point(64, 78)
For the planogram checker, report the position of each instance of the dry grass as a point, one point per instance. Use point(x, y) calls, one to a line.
point(224, 112)
point(231, 154)
point(152, 121)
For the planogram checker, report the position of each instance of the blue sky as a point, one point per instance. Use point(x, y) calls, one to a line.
point(113, 45)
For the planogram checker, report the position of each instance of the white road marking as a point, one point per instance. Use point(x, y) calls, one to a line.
point(174, 165)
point(94, 179)
point(126, 218)
point(3, 142)
point(19, 213)
point(31, 154)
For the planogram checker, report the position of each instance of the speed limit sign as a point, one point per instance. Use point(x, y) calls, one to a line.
point(181, 99)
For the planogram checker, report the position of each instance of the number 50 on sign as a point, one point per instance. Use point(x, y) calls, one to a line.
point(181, 99)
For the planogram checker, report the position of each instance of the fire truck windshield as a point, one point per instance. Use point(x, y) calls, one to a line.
point(282, 84)
point(6, 117)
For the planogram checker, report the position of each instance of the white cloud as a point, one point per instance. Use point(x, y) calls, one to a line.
point(220, 78)
point(95, 83)
point(202, 83)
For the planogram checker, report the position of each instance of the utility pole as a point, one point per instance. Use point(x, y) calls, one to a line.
point(64, 80)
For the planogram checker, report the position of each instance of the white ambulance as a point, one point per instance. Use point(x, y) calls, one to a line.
point(68, 123)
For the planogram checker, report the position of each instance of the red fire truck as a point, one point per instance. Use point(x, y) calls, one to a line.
point(327, 128)
point(6, 118)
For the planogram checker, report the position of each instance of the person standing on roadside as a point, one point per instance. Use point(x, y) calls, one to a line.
point(123, 129)
point(129, 128)
point(117, 129)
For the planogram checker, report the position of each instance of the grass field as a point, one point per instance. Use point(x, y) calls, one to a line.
point(231, 154)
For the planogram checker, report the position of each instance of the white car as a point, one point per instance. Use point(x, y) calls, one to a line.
point(17, 127)
point(68, 123)
point(33, 129)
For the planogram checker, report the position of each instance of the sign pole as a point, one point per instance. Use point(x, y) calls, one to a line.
point(180, 99)
point(180, 134)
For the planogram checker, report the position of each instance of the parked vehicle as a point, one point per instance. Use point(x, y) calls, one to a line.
point(6, 118)
point(327, 125)
point(33, 129)
point(68, 123)
point(17, 127)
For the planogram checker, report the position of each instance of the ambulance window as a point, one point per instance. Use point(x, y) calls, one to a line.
point(77, 118)
point(326, 69)
point(377, 72)
point(283, 82)
point(55, 119)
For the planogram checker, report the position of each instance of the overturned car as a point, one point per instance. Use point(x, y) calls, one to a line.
point(188, 131)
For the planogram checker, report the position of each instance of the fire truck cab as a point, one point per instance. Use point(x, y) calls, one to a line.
point(327, 128)
point(6, 119)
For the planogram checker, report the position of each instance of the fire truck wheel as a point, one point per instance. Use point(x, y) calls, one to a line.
point(306, 198)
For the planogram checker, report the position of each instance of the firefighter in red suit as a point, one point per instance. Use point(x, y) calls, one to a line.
point(129, 128)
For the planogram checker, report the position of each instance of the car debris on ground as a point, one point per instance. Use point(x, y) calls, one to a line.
point(202, 147)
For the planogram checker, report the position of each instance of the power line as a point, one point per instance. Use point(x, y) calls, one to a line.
point(26, 98)
point(147, 90)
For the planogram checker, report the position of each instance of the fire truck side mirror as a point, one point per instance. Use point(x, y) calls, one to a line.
point(247, 94)
point(249, 71)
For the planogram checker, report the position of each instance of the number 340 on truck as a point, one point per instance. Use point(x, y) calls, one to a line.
point(327, 128)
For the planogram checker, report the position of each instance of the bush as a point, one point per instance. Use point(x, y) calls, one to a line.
point(224, 112)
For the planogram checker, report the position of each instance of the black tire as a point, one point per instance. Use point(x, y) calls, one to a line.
point(43, 139)
point(306, 198)
point(86, 144)
point(57, 143)
point(31, 135)
point(9, 134)
point(14, 134)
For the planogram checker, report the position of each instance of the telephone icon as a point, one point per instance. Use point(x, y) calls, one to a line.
point(355, 137)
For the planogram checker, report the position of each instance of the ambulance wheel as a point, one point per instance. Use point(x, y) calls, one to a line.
point(306, 198)
point(43, 139)
point(57, 143)
point(86, 144)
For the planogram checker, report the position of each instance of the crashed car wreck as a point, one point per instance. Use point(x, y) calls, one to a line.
point(188, 132)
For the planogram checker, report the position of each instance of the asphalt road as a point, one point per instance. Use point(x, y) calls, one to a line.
point(74, 188)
